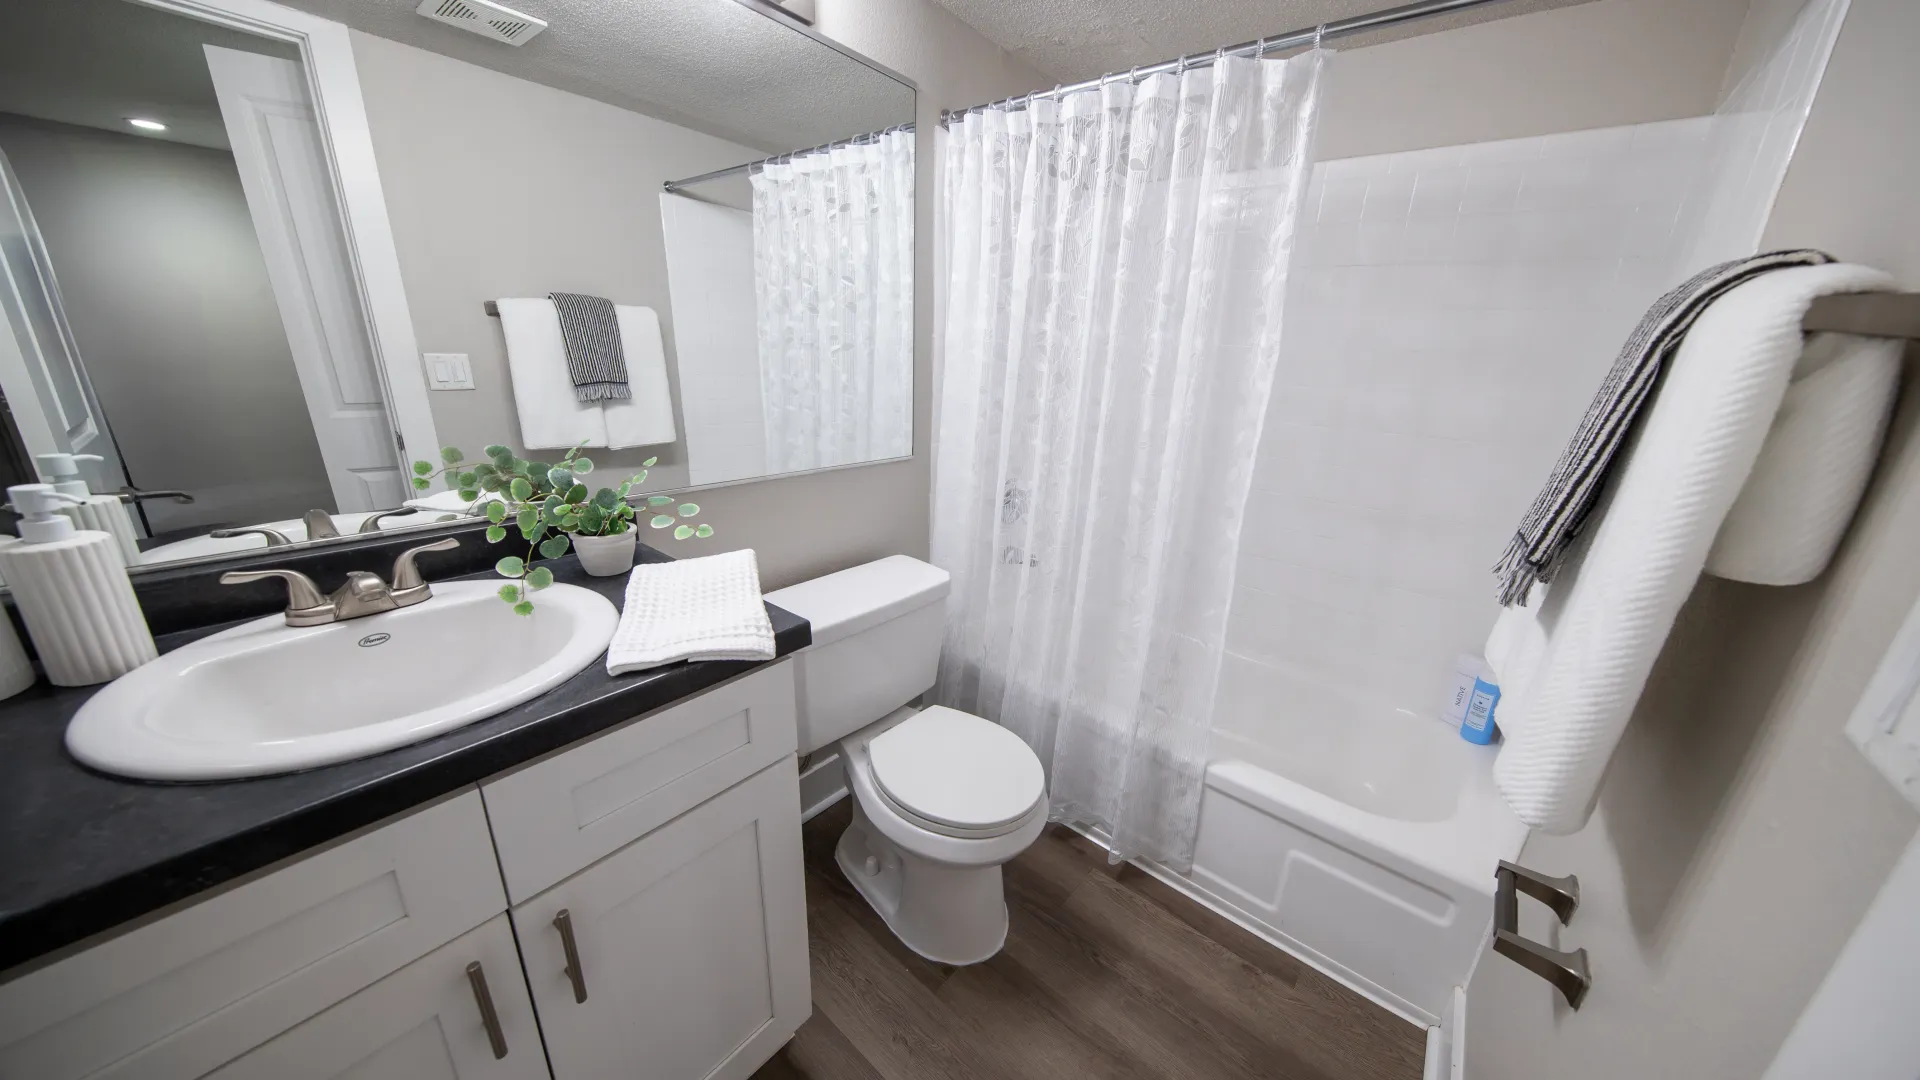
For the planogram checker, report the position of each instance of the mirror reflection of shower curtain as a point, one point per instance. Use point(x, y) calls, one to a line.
point(1116, 273)
point(833, 280)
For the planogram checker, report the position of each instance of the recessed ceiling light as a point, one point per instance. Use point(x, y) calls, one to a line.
point(144, 124)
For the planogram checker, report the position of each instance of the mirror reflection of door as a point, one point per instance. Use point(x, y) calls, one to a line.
point(179, 296)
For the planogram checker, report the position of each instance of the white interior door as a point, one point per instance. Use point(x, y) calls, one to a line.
point(41, 373)
point(283, 169)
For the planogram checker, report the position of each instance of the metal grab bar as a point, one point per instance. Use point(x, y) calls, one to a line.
point(1567, 971)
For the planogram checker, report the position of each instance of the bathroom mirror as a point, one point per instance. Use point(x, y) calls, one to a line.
point(257, 260)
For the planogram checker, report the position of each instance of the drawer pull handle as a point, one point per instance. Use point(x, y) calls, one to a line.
point(563, 922)
point(489, 1018)
point(1567, 971)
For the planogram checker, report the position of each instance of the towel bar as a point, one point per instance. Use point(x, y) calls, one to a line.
point(493, 309)
point(1881, 314)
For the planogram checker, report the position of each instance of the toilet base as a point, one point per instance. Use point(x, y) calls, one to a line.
point(949, 914)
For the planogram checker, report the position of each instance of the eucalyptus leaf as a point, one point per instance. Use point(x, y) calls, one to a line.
point(554, 546)
point(539, 577)
point(559, 479)
point(510, 593)
point(452, 455)
point(520, 489)
point(492, 483)
point(659, 500)
point(703, 531)
point(527, 518)
point(577, 493)
point(496, 450)
point(496, 512)
point(582, 466)
point(422, 468)
point(605, 499)
point(530, 533)
point(592, 520)
point(468, 479)
point(689, 509)
point(660, 521)
point(420, 483)
point(484, 471)
point(511, 566)
point(650, 463)
point(469, 495)
point(683, 532)
point(619, 526)
point(524, 607)
point(496, 533)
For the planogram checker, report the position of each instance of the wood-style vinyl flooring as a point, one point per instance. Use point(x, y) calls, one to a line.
point(1106, 973)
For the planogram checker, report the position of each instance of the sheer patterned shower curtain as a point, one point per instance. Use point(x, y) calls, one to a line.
point(1116, 266)
point(833, 281)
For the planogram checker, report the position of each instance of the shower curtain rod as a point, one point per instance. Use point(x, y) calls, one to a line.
point(672, 186)
point(1407, 13)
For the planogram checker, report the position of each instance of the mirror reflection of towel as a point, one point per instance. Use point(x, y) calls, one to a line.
point(551, 415)
point(591, 334)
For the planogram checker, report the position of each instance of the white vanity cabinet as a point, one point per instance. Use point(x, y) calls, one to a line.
point(671, 843)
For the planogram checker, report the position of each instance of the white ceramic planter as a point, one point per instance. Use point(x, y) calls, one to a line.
point(605, 556)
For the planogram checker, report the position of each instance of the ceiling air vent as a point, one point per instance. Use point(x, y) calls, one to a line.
point(484, 17)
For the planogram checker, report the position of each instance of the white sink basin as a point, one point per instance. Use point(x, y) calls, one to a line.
point(267, 698)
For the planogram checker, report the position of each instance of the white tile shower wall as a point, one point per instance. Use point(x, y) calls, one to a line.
point(1450, 313)
point(1754, 133)
point(710, 283)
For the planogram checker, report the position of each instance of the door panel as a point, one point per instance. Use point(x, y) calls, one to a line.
point(283, 169)
point(692, 944)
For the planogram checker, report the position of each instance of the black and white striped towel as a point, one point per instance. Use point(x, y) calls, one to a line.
point(1561, 508)
point(595, 360)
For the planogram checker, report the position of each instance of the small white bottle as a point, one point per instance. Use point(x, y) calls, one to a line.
point(73, 592)
point(104, 513)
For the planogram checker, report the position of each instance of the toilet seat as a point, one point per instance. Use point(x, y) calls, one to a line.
point(956, 774)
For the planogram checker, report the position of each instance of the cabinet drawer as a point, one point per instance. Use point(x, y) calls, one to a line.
point(178, 997)
point(555, 817)
point(421, 1021)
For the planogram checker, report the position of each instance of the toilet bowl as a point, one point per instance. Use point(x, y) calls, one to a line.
point(941, 798)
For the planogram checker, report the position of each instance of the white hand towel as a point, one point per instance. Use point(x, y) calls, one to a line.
point(449, 502)
point(551, 414)
point(1815, 464)
point(692, 609)
point(646, 418)
point(1568, 688)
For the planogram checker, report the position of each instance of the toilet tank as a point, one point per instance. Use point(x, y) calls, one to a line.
point(876, 643)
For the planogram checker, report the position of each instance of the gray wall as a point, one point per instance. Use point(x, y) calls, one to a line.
point(1740, 835)
point(502, 187)
point(168, 295)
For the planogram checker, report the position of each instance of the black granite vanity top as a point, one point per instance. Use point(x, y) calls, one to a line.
point(81, 852)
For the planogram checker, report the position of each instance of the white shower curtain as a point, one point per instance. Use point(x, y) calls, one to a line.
point(833, 281)
point(1116, 266)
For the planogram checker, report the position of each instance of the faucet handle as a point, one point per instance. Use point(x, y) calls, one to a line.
point(406, 576)
point(275, 538)
point(372, 524)
point(306, 606)
point(320, 525)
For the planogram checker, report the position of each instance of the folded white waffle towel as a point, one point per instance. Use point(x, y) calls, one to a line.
point(692, 609)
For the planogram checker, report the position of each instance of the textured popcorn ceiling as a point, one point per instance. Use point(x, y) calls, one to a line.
point(1072, 40)
point(712, 65)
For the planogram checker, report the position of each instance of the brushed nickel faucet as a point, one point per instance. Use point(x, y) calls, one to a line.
point(363, 594)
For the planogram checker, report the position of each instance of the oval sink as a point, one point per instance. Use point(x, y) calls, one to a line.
point(265, 697)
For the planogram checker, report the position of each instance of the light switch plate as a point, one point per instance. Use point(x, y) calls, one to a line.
point(448, 371)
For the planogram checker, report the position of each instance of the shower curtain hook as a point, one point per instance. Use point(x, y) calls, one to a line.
point(1319, 33)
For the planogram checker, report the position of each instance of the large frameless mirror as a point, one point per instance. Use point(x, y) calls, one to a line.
point(246, 282)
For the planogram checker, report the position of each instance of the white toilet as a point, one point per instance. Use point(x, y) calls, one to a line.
point(941, 798)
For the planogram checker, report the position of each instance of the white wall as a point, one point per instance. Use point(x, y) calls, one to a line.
point(168, 295)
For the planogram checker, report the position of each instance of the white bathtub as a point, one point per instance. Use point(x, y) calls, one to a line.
point(1367, 847)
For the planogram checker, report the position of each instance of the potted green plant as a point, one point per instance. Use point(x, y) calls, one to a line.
point(552, 509)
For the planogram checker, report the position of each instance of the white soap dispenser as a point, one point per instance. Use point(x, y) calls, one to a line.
point(104, 513)
point(73, 592)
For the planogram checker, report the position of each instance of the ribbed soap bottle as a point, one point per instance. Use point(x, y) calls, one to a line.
point(73, 592)
point(105, 513)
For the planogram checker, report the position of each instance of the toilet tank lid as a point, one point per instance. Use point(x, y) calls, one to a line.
point(863, 596)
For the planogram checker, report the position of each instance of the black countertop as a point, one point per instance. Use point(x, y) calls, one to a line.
point(81, 851)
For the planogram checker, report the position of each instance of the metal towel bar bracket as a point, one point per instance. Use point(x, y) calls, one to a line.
point(1874, 314)
point(1567, 971)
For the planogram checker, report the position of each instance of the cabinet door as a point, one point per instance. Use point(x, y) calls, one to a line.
point(423, 1022)
point(692, 944)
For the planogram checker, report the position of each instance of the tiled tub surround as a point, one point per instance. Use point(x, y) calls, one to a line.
point(1450, 312)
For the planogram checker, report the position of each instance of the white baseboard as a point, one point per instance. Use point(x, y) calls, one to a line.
point(822, 784)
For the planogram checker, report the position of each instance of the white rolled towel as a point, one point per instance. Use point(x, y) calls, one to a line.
point(1815, 464)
